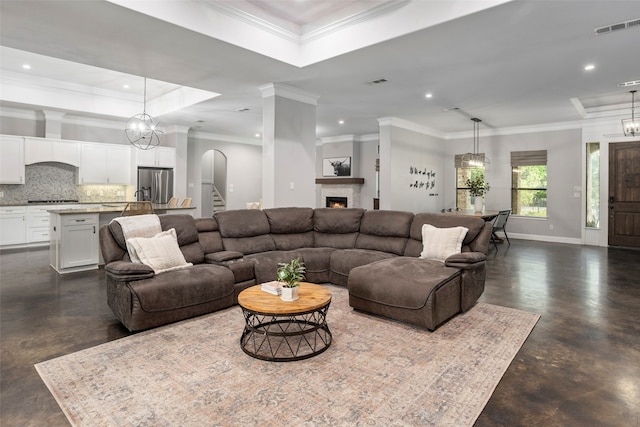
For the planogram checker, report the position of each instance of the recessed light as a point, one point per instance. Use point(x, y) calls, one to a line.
point(429, 95)
point(341, 122)
point(26, 66)
point(589, 67)
point(125, 86)
point(257, 135)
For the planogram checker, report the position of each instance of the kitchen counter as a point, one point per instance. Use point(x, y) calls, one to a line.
point(116, 207)
point(74, 242)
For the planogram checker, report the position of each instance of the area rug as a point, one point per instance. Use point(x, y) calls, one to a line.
point(377, 372)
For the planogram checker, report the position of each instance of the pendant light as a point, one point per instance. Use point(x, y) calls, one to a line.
point(143, 131)
point(475, 159)
point(631, 127)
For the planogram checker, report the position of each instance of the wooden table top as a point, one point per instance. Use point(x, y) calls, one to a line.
point(310, 297)
point(485, 214)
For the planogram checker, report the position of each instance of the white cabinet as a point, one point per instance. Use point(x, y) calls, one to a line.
point(38, 222)
point(74, 242)
point(13, 225)
point(51, 150)
point(161, 157)
point(11, 160)
point(105, 164)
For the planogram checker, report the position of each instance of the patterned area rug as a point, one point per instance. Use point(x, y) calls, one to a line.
point(377, 372)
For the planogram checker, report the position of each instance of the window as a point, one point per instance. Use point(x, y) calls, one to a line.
point(529, 183)
point(463, 196)
point(592, 192)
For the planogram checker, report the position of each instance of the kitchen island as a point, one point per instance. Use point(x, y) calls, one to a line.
point(74, 244)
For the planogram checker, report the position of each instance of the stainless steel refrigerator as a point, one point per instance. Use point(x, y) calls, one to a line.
point(155, 185)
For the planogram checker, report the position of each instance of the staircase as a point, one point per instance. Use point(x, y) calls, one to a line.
point(219, 204)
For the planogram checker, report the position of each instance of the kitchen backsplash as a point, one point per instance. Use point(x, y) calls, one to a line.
point(57, 181)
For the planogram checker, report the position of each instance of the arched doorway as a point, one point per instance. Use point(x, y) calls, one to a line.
point(214, 182)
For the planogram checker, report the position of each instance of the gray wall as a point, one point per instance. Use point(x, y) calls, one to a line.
point(564, 172)
point(244, 170)
point(401, 152)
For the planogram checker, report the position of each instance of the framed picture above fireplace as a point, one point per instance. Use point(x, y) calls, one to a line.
point(336, 166)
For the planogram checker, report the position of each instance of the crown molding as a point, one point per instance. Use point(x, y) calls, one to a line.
point(289, 92)
point(414, 127)
point(225, 138)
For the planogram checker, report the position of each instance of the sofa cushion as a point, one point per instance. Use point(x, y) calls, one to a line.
point(288, 242)
point(187, 233)
point(414, 244)
point(336, 228)
point(344, 260)
point(317, 262)
point(441, 243)
point(337, 221)
point(161, 252)
point(184, 225)
point(249, 245)
point(245, 231)
point(242, 223)
point(400, 282)
point(289, 220)
point(266, 263)
point(386, 223)
point(183, 288)
point(206, 224)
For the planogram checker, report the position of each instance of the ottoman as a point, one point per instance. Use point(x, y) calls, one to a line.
point(422, 292)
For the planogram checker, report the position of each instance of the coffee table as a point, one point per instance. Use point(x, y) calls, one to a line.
point(281, 331)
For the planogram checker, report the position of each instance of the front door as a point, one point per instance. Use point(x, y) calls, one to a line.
point(624, 194)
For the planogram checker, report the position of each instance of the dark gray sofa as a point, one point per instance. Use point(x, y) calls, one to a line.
point(374, 253)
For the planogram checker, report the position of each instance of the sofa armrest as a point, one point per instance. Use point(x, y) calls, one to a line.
point(125, 271)
point(222, 256)
point(466, 260)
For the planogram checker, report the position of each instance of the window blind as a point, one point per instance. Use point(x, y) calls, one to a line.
point(528, 158)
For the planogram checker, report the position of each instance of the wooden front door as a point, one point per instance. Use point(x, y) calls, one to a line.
point(624, 194)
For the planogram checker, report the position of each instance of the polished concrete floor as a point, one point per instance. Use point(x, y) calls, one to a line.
point(579, 367)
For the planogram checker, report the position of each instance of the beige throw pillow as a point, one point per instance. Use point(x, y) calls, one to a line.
point(160, 252)
point(440, 243)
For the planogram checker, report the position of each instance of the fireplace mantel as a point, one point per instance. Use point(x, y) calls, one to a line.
point(329, 181)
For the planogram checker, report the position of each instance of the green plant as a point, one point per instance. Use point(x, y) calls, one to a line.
point(291, 273)
point(477, 186)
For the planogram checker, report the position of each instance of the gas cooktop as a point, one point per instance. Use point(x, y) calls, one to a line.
point(53, 201)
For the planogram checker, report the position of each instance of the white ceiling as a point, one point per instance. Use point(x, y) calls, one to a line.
point(511, 64)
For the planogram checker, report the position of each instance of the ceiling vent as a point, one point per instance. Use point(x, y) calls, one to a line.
point(377, 82)
point(619, 26)
point(631, 83)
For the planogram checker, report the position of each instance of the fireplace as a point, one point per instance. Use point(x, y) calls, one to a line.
point(336, 202)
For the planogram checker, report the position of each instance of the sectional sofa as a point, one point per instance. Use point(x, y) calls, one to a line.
point(376, 254)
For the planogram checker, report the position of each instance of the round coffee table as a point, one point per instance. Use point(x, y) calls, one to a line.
point(281, 331)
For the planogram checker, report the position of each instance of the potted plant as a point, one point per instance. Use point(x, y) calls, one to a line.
point(290, 274)
point(477, 187)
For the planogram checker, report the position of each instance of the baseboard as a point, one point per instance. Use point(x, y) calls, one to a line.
point(551, 239)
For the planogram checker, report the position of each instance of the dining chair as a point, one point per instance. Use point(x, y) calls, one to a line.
point(500, 224)
point(173, 202)
point(186, 203)
point(137, 208)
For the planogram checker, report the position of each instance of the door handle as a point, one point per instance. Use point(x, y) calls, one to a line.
point(94, 229)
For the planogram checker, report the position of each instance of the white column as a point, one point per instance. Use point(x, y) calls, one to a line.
point(53, 124)
point(385, 163)
point(288, 151)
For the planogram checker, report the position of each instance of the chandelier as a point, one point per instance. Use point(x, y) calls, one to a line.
point(631, 127)
point(475, 159)
point(143, 131)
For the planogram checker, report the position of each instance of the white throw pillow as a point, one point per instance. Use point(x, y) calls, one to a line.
point(440, 243)
point(160, 252)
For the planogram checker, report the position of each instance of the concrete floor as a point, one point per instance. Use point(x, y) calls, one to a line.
point(579, 367)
